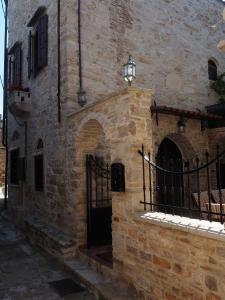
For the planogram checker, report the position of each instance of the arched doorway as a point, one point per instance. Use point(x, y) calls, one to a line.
point(93, 197)
point(169, 186)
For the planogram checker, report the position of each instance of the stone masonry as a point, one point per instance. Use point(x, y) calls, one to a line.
point(171, 42)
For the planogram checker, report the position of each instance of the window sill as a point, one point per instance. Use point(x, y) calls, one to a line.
point(214, 230)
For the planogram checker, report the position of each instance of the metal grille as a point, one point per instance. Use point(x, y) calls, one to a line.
point(99, 201)
point(188, 188)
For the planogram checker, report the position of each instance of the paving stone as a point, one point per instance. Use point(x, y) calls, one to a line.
point(25, 271)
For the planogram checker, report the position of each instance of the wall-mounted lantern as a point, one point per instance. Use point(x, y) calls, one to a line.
point(129, 71)
point(181, 125)
point(82, 97)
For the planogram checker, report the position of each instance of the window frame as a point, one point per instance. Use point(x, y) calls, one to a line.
point(15, 67)
point(38, 43)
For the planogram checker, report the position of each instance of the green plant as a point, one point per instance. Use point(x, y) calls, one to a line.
point(219, 87)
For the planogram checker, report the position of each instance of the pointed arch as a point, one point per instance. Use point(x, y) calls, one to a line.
point(40, 144)
point(212, 69)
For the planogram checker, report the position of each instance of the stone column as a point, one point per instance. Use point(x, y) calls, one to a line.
point(128, 135)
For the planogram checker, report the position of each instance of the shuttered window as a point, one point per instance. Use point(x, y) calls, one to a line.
point(38, 46)
point(30, 58)
point(42, 42)
point(15, 67)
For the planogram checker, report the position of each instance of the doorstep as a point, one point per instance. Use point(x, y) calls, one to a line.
point(100, 286)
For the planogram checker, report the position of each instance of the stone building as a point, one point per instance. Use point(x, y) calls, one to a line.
point(2, 159)
point(67, 99)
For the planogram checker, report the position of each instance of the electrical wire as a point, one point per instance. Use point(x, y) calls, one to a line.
point(1, 82)
point(3, 8)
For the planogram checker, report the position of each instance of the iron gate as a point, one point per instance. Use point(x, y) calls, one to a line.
point(99, 202)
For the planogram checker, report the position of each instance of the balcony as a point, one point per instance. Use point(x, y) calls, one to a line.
point(20, 102)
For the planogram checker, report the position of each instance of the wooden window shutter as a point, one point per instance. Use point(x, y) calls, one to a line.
point(30, 55)
point(17, 76)
point(10, 72)
point(42, 42)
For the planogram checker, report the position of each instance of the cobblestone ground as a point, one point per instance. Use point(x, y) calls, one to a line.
point(25, 272)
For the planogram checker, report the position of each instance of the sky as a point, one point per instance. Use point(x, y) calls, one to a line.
point(1, 54)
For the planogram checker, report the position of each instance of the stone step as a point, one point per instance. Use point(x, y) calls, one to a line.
point(96, 265)
point(102, 287)
point(49, 238)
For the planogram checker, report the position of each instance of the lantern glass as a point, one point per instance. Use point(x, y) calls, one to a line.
point(129, 71)
point(181, 125)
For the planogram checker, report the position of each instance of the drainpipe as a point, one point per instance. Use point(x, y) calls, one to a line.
point(5, 104)
point(59, 60)
point(81, 93)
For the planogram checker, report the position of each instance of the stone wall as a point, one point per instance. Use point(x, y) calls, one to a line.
point(170, 41)
point(123, 116)
point(170, 262)
point(43, 122)
point(192, 143)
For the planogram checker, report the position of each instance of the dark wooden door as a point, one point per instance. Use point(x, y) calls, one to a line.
point(169, 186)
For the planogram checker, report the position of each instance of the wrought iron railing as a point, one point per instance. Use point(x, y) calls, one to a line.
point(98, 181)
point(188, 188)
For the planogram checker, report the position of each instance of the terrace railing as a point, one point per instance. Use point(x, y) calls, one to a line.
point(188, 188)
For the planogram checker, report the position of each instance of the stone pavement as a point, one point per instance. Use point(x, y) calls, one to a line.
point(25, 272)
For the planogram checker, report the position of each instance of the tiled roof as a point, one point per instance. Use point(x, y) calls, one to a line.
point(185, 113)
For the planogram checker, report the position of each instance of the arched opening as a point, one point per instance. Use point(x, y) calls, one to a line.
point(169, 186)
point(93, 198)
point(39, 145)
point(212, 70)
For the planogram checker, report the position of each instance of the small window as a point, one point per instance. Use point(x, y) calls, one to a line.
point(40, 144)
point(38, 44)
point(39, 172)
point(14, 166)
point(15, 66)
point(15, 136)
point(212, 70)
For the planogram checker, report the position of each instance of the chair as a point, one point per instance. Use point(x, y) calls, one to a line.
point(215, 208)
point(204, 199)
point(216, 195)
